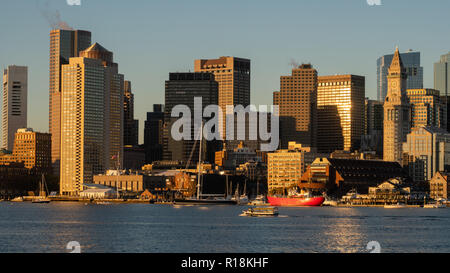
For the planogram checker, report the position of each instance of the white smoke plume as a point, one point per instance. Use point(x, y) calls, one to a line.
point(52, 16)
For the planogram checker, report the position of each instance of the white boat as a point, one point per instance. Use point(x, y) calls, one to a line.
point(260, 212)
point(259, 201)
point(436, 205)
point(17, 199)
point(396, 206)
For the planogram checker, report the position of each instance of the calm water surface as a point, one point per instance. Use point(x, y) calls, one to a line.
point(27, 227)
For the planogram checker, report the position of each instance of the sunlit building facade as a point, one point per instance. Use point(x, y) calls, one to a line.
point(397, 112)
point(31, 148)
point(426, 151)
point(285, 167)
point(427, 108)
point(340, 107)
point(64, 44)
point(92, 118)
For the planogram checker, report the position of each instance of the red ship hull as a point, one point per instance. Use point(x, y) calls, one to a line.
point(295, 201)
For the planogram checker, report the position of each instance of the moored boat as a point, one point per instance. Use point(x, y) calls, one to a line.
point(395, 206)
point(260, 212)
point(17, 199)
point(296, 201)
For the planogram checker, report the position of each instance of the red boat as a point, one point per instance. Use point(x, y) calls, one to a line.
point(296, 201)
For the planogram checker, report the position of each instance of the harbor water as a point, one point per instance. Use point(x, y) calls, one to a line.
point(27, 227)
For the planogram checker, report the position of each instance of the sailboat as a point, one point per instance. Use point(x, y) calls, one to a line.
point(199, 200)
point(42, 198)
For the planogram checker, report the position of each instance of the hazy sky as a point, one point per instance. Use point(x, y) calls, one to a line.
point(151, 38)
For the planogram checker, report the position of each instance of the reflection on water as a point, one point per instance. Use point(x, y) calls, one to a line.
point(344, 233)
point(26, 227)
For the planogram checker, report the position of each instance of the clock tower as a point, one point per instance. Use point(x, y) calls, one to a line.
point(397, 111)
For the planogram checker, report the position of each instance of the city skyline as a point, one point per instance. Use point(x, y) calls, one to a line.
point(265, 31)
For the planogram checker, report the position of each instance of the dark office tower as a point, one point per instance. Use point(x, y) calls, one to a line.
point(340, 111)
point(297, 101)
point(181, 89)
point(153, 134)
point(64, 44)
point(233, 76)
point(411, 62)
point(372, 140)
point(131, 125)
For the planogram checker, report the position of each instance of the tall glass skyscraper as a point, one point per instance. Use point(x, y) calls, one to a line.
point(411, 62)
point(442, 75)
point(64, 44)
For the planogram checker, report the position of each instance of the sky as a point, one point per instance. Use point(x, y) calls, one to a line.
point(150, 38)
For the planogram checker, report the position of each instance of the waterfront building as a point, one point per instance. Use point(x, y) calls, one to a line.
point(426, 151)
point(397, 111)
point(439, 186)
point(297, 101)
point(91, 120)
point(233, 77)
point(427, 108)
point(339, 176)
point(153, 134)
point(31, 148)
point(285, 167)
point(411, 62)
point(340, 111)
point(15, 179)
point(182, 89)
point(64, 44)
point(14, 103)
point(442, 75)
point(130, 125)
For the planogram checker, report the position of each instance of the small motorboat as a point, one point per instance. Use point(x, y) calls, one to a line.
point(41, 200)
point(396, 206)
point(436, 205)
point(17, 199)
point(260, 212)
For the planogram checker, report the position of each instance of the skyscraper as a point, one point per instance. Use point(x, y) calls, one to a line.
point(14, 104)
point(340, 111)
point(427, 109)
point(297, 101)
point(411, 62)
point(113, 96)
point(153, 134)
point(397, 111)
point(131, 125)
point(91, 120)
point(372, 140)
point(182, 89)
point(233, 76)
point(442, 75)
point(64, 44)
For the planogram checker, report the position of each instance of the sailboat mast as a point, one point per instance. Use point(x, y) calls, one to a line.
point(199, 162)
